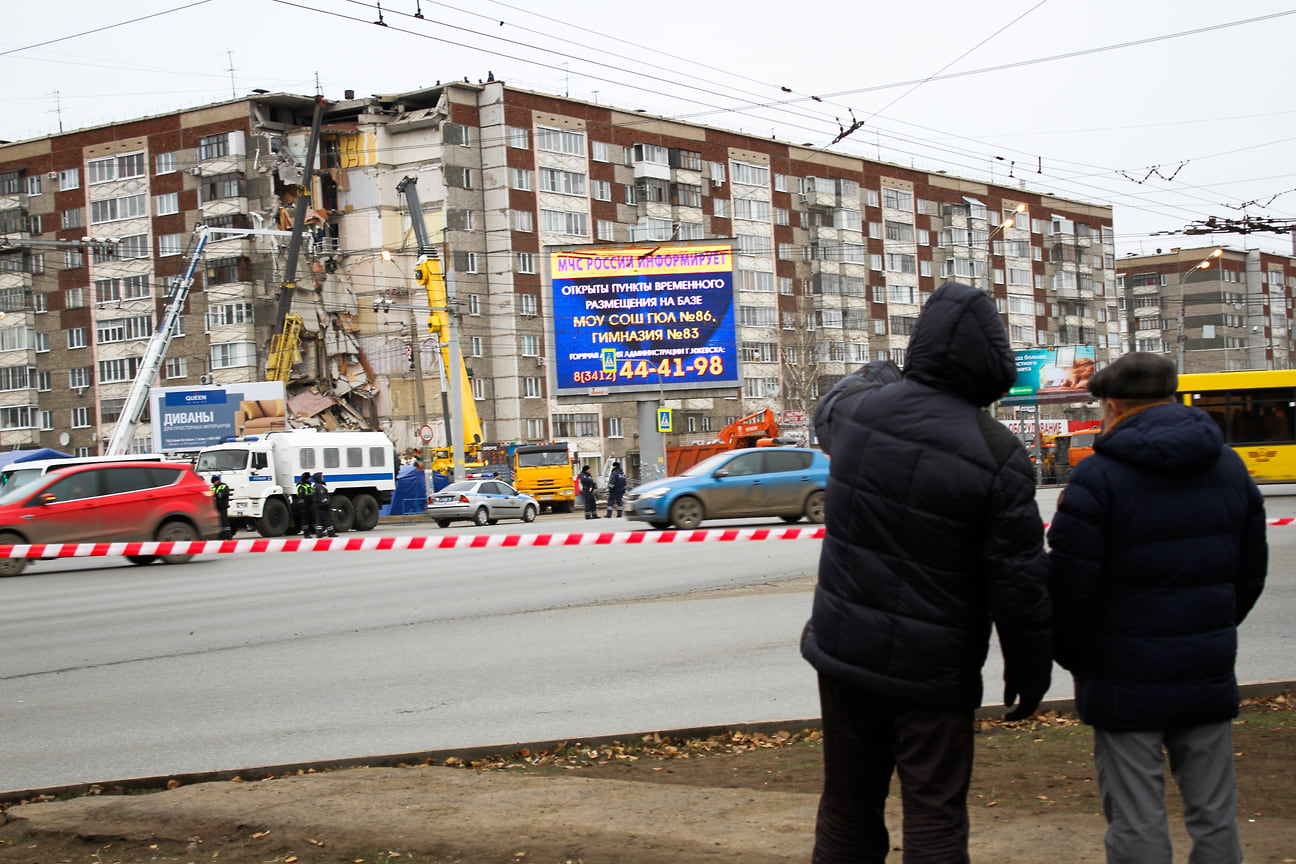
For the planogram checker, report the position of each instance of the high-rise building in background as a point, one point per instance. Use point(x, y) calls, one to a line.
point(834, 256)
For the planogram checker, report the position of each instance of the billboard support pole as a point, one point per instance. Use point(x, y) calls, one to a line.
point(652, 444)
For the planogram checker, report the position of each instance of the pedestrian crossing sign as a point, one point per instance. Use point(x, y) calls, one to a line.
point(663, 419)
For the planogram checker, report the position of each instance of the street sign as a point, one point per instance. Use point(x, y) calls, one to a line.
point(425, 432)
point(663, 419)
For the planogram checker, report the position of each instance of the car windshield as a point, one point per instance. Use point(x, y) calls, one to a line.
point(13, 478)
point(222, 460)
point(459, 487)
point(706, 466)
point(543, 457)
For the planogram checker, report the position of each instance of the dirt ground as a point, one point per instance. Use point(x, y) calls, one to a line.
point(738, 797)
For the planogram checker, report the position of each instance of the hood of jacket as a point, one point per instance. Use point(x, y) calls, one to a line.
point(960, 346)
point(1164, 438)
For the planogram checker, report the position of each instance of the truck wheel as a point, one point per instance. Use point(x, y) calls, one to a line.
point(141, 559)
point(176, 532)
point(564, 506)
point(274, 519)
point(814, 507)
point(687, 513)
point(11, 566)
point(343, 514)
point(366, 512)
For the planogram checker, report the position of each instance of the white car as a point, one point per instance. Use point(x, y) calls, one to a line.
point(483, 502)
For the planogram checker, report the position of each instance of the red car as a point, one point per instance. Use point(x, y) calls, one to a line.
point(109, 502)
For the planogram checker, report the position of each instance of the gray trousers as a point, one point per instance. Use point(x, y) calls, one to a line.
point(1131, 778)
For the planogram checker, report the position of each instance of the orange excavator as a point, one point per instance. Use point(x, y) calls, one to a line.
point(758, 429)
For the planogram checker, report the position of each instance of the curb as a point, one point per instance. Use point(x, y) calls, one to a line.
point(470, 754)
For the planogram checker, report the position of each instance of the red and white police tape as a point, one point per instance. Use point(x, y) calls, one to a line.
point(369, 544)
point(453, 541)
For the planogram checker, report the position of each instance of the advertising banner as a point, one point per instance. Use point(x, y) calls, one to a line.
point(191, 418)
point(630, 319)
point(1052, 375)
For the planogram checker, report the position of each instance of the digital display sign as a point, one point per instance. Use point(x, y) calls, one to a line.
point(643, 318)
point(1052, 375)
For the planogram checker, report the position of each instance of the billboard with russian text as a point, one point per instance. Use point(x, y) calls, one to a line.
point(191, 418)
point(1052, 375)
point(643, 318)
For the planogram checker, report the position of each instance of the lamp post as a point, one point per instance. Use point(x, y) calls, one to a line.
point(1005, 224)
point(1203, 264)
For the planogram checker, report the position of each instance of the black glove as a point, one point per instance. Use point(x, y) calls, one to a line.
point(1031, 690)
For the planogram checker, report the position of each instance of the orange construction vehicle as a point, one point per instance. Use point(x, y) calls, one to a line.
point(755, 430)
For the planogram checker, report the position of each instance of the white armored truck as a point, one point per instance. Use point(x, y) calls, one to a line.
point(359, 469)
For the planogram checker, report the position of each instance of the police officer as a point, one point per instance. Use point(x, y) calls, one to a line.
point(303, 511)
point(588, 485)
point(616, 489)
point(323, 507)
point(221, 493)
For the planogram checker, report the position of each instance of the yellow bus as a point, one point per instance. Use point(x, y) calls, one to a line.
point(1256, 410)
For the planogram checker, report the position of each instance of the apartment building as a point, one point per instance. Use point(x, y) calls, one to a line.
point(1213, 309)
point(834, 256)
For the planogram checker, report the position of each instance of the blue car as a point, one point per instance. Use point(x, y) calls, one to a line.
point(787, 482)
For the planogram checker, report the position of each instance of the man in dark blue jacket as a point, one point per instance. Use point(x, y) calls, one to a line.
point(1157, 553)
point(932, 533)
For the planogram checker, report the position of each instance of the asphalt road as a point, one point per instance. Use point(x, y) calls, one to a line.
point(110, 671)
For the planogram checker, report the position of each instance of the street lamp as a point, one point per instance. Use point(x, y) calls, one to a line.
point(1005, 224)
point(1203, 264)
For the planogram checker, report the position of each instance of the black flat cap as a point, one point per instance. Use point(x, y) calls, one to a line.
point(1136, 376)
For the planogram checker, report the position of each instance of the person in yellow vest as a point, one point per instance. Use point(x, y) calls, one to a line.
point(221, 493)
point(302, 509)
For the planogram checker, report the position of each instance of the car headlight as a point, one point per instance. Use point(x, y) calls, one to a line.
point(659, 492)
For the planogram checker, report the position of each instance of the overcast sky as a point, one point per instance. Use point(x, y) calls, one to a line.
point(1172, 111)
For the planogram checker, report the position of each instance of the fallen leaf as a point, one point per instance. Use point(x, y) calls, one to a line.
point(314, 842)
point(173, 784)
point(259, 835)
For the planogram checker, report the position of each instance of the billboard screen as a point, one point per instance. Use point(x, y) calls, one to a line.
point(191, 418)
point(644, 318)
point(1050, 375)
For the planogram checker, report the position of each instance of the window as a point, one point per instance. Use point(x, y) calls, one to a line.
point(606, 229)
point(43, 381)
point(529, 344)
point(177, 367)
point(229, 313)
point(520, 178)
point(458, 177)
point(17, 339)
point(46, 420)
point(70, 178)
point(535, 429)
point(717, 170)
point(599, 151)
point(42, 343)
point(756, 316)
point(562, 182)
point(114, 168)
point(688, 195)
point(118, 370)
point(526, 262)
point(222, 271)
point(650, 153)
point(73, 218)
point(228, 355)
point(901, 263)
point(527, 304)
point(564, 222)
point(899, 231)
point(754, 280)
point(124, 329)
point(135, 246)
point(602, 190)
point(479, 388)
point(116, 209)
point(164, 163)
point(785, 285)
point(468, 260)
point(517, 138)
point(750, 175)
point(165, 205)
point(81, 417)
point(474, 346)
point(523, 220)
point(897, 199)
point(760, 352)
point(760, 388)
point(219, 186)
point(752, 244)
point(124, 288)
point(745, 208)
point(531, 388)
point(213, 146)
point(474, 304)
point(170, 244)
point(560, 141)
point(575, 425)
point(17, 377)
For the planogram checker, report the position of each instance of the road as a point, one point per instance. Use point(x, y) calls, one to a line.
point(110, 671)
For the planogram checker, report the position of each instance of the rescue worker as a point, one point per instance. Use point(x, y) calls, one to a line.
point(323, 507)
point(221, 493)
point(303, 511)
point(616, 489)
point(588, 485)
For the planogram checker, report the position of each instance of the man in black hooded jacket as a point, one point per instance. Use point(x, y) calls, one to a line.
point(932, 534)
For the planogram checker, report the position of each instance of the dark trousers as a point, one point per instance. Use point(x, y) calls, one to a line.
point(324, 521)
point(226, 533)
point(305, 515)
point(591, 505)
point(615, 497)
point(866, 739)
